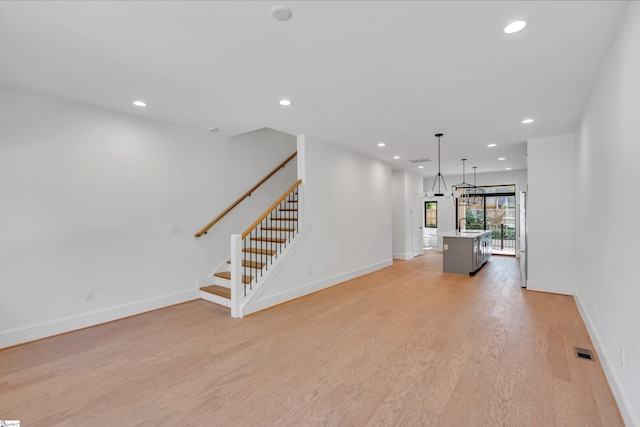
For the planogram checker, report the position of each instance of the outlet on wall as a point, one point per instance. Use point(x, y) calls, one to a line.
point(622, 357)
point(88, 294)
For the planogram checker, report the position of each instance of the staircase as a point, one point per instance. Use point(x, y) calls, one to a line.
point(254, 253)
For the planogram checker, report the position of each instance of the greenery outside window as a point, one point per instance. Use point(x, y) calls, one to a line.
point(431, 214)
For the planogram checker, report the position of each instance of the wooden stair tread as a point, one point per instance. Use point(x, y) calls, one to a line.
point(283, 219)
point(250, 264)
point(268, 239)
point(227, 275)
point(278, 229)
point(288, 210)
point(221, 291)
point(259, 251)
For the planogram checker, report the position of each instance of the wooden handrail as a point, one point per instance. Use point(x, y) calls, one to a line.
point(244, 196)
point(268, 211)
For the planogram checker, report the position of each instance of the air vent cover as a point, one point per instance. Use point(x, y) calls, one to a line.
point(583, 353)
point(428, 159)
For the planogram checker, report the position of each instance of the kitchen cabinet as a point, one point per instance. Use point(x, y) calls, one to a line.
point(465, 252)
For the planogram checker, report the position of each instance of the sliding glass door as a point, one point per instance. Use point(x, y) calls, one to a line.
point(491, 208)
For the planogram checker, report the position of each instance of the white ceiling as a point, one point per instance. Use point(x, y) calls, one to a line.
point(357, 72)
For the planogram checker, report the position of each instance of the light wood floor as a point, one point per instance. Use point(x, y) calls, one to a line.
point(405, 346)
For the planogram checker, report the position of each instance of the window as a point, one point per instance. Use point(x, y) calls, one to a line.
point(431, 214)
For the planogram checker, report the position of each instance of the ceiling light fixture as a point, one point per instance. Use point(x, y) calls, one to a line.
point(396, 157)
point(463, 192)
point(502, 158)
point(381, 144)
point(491, 145)
point(508, 169)
point(515, 26)
point(285, 102)
point(281, 13)
point(439, 178)
point(420, 167)
point(527, 121)
point(139, 103)
point(477, 190)
point(213, 129)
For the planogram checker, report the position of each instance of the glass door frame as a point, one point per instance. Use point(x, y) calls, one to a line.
point(484, 196)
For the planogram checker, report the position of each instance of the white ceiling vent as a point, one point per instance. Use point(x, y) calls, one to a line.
point(428, 159)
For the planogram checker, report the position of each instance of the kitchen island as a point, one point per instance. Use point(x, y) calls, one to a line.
point(465, 252)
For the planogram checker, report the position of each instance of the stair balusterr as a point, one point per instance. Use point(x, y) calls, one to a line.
point(264, 241)
point(254, 252)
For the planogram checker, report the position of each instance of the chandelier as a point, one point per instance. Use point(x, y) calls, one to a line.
point(464, 192)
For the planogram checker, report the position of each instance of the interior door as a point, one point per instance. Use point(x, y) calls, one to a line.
point(417, 219)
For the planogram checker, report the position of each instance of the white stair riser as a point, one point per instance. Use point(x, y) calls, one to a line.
point(250, 271)
point(266, 245)
point(225, 283)
point(215, 298)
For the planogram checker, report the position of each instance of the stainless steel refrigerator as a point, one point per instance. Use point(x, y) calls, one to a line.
point(523, 239)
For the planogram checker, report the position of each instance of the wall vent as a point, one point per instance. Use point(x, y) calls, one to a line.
point(583, 353)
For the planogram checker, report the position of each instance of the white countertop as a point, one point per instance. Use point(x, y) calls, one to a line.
point(464, 234)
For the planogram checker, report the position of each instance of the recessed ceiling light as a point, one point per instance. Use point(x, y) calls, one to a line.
point(381, 144)
point(508, 169)
point(525, 121)
point(212, 129)
point(502, 158)
point(139, 103)
point(396, 157)
point(491, 145)
point(420, 167)
point(514, 27)
point(281, 13)
point(285, 102)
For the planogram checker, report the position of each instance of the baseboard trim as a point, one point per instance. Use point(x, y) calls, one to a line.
point(36, 331)
point(309, 288)
point(626, 409)
point(552, 288)
point(403, 257)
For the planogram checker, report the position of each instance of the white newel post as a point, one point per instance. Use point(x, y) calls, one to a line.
point(237, 292)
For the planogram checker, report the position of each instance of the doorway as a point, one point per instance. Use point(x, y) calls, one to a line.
point(491, 208)
point(416, 226)
point(430, 224)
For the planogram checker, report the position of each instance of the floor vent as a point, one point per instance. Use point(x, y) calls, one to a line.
point(583, 353)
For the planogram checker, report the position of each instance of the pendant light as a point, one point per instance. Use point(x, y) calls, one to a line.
point(476, 190)
point(464, 190)
point(461, 191)
point(439, 178)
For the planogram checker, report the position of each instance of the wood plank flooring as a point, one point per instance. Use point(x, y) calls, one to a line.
point(405, 346)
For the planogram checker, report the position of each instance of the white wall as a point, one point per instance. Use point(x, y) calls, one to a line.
point(550, 215)
point(87, 200)
point(607, 173)
point(398, 217)
point(405, 186)
point(446, 207)
point(345, 226)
